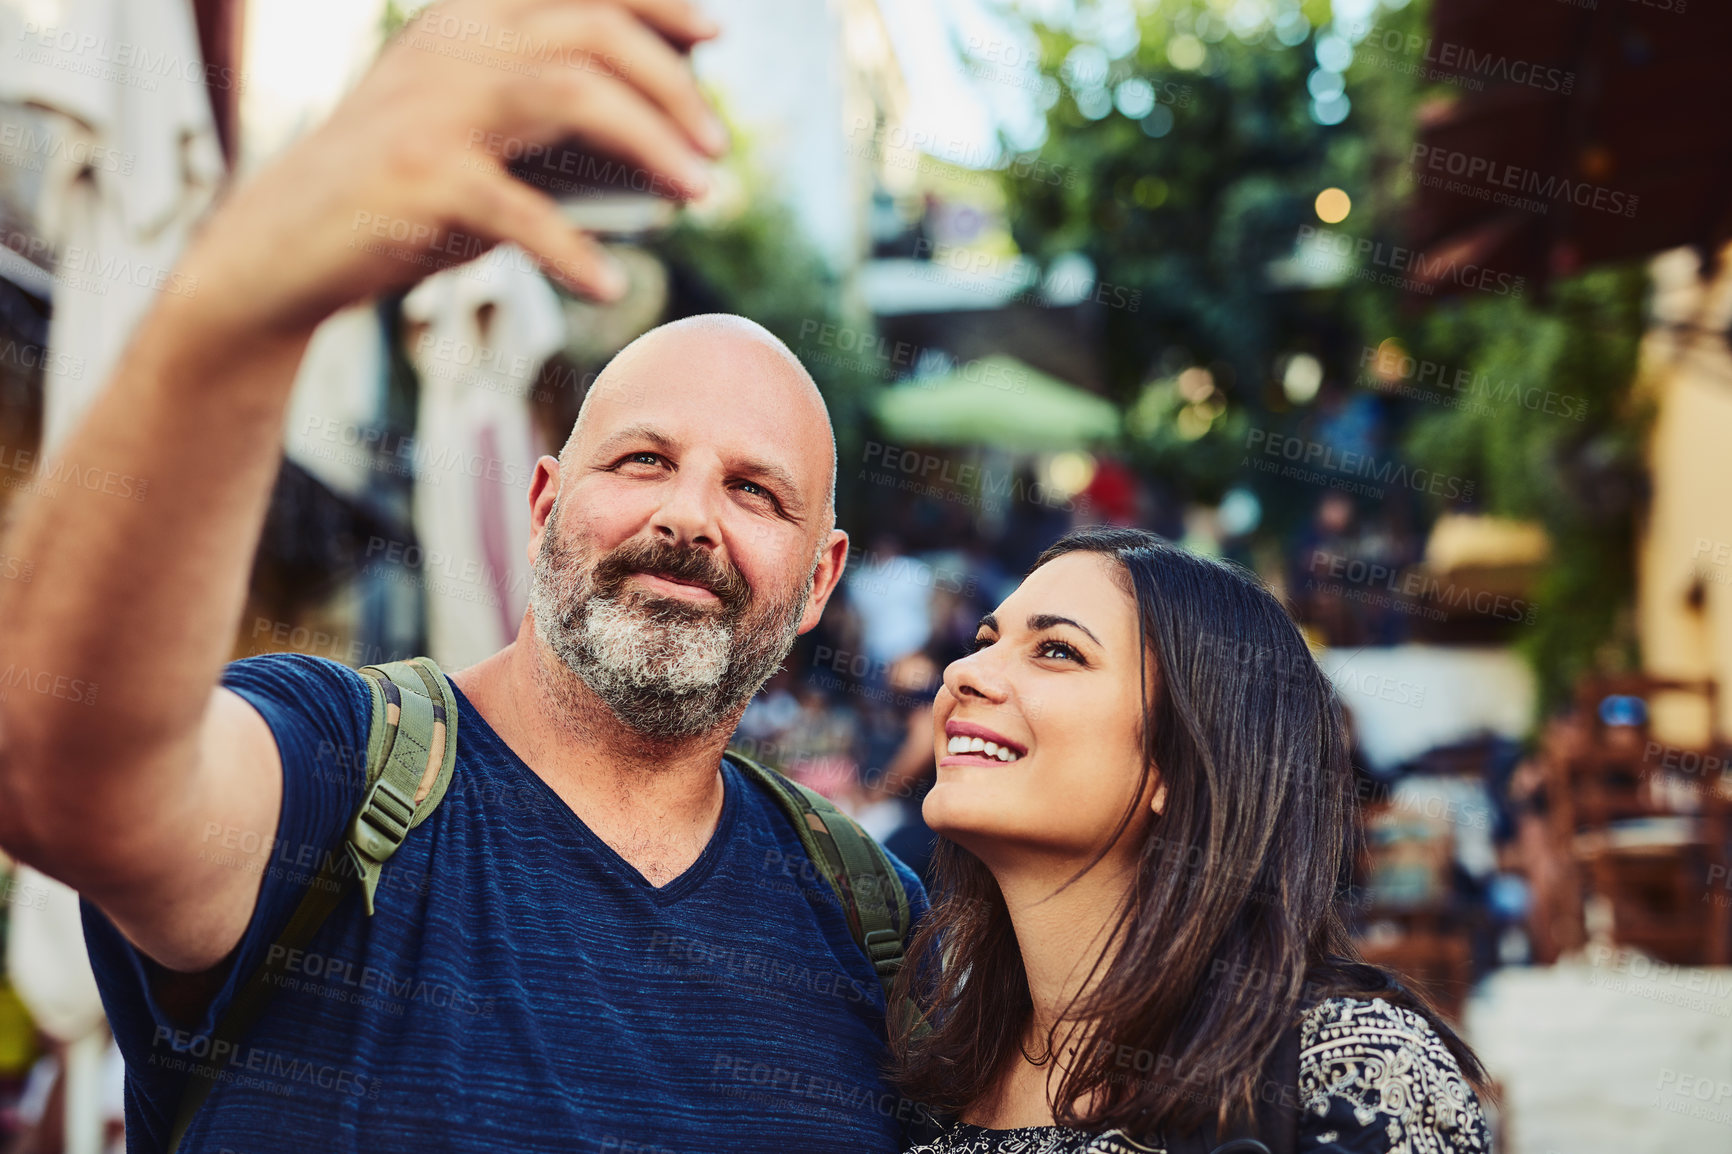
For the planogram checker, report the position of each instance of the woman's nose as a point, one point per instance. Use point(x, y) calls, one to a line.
point(976, 676)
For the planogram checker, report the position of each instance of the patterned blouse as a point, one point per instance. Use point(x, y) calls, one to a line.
point(1373, 1079)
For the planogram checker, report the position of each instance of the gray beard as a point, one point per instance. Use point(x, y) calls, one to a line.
point(664, 668)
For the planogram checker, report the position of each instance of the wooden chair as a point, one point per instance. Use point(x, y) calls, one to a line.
point(1412, 923)
point(1656, 881)
point(1432, 952)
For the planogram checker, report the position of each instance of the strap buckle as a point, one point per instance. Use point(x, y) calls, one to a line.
point(885, 950)
point(383, 821)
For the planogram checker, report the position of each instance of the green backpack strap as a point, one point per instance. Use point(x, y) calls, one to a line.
point(859, 872)
point(411, 752)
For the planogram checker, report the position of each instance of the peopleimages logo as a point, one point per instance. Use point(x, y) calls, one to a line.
point(960, 159)
point(1366, 466)
point(118, 61)
point(420, 459)
point(1317, 245)
point(942, 478)
point(30, 357)
point(976, 271)
point(29, 473)
point(1431, 164)
point(1413, 584)
point(22, 146)
point(1465, 389)
point(1446, 60)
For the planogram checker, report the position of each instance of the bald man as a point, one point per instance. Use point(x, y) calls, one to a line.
point(606, 937)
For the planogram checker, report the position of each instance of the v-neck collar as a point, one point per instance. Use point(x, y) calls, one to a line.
point(474, 727)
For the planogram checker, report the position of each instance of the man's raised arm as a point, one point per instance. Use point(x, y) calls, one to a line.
point(140, 583)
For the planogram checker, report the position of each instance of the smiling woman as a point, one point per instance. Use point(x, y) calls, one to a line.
point(1055, 671)
point(1146, 805)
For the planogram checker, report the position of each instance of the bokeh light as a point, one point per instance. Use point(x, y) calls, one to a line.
point(1333, 205)
point(1187, 52)
point(1302, 379)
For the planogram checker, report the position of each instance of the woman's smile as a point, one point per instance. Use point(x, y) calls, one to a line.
point(971, 744)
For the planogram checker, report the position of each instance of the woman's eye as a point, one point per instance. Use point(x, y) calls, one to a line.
point(1058, 649)
point(978, 644)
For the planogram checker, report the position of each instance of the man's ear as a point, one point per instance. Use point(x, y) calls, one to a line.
point(543, 491)
point(831, 560)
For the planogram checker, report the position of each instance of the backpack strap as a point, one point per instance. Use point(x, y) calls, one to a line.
point(1273, 1129)
point(411, 752)
point(858, 870)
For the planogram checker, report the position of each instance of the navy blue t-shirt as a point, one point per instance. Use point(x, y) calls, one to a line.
point(520, 986)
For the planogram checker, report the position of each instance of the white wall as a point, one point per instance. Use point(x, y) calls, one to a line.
point(779, 69)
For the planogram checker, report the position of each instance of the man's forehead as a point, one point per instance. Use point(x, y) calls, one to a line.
point(722, 342)
point(710, 362)
point(705, 396)
point(722, 381)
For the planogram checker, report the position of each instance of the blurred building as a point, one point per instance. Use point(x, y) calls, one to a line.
point(1684, 606)
point(798, 78)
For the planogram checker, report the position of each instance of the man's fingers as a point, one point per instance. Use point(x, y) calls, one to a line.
point(508, 210)
point(619, 42)
point(678, 20)
point(613, 118)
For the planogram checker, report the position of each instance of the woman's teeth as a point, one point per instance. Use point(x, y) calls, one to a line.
point(979, 745)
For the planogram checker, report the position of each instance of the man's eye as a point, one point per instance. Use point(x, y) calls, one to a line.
point(644, 459)
point(761, 493)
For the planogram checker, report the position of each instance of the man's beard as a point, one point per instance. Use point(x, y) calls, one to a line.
point(667, 668)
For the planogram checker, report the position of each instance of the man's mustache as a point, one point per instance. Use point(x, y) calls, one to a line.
point(688, 564)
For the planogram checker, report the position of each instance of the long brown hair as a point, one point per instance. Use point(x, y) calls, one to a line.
point(1232, 924)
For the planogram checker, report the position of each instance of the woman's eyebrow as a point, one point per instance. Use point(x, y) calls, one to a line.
point(1047, 620)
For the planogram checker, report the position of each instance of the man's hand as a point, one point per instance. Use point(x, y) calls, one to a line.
point(409, 175)
point(143, 596)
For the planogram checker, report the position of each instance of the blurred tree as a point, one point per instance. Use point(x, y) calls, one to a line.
point(1195, 150)
point(1189, 163)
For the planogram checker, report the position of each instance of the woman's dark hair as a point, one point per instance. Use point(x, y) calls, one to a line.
point(1231, 927)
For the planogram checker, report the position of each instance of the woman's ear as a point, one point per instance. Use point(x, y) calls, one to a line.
point(1158, 803)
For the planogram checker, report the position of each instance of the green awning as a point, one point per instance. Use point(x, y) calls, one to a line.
point(996, 401)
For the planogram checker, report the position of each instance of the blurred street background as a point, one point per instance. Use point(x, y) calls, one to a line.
point(1417, 309)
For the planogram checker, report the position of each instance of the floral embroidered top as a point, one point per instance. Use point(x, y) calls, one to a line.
point(1373, 1079)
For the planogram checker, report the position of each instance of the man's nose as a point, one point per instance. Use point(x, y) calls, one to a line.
point(688, 514)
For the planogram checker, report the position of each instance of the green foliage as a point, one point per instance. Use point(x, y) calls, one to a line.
point(1171, 434)
point(395, 16)
point(1575, 356)
point(1545, 420)
point(1190, 220)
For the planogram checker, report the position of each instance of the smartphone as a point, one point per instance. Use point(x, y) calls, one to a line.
point(607, 196)
point(603, 195)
